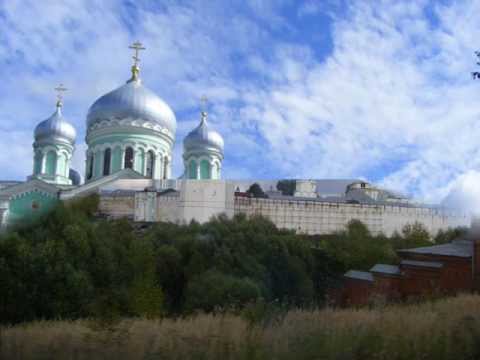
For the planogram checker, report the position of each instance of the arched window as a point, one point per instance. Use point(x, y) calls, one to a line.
point(51, 163)
point(204, 169)
point(192, 169)
point(150, 164)
point(128, 164)
point(107, 158)
point(90, 166)
point(37, 163)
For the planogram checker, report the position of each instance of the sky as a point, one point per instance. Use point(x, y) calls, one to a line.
point(379, 90)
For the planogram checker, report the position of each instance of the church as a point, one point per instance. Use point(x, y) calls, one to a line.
point(130, 133)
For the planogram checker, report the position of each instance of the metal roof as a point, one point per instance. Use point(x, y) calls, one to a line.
point(458, 248)
point(428, 264)
point(386, 269)
point(359, 275)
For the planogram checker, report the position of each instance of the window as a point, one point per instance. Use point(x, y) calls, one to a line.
point(150, 164)
point(37, 167)
point(128, 164)
point(90, 167)
point(192, 169)
point(204, 169)
point(107, 158)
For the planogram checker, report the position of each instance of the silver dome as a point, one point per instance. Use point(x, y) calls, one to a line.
point(56, 127)
point(203, 137)
point(132, 100)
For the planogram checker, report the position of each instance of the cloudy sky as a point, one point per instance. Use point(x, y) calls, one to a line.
point(380, 90)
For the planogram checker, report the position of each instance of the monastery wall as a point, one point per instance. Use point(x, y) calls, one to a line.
point(202, 199)
point(313, 217)
point(168, 208)
point(117, 205)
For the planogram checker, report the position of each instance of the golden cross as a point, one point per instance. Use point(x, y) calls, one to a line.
point(137, 46)
point(203, 103)
point(60, 89)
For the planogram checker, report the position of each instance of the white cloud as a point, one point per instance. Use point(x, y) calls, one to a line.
point(393, 102)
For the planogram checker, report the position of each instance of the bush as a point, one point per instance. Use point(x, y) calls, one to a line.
point(214, 290)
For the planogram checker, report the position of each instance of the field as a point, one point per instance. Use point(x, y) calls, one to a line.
point(444, 329)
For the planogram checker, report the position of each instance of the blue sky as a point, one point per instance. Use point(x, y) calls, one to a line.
point(379, 90)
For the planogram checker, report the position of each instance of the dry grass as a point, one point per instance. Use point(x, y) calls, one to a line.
point(446, 329)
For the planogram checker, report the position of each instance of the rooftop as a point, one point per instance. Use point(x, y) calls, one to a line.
point(386, 269)
point(427, 264)
point(359, 275)
point(458, 248)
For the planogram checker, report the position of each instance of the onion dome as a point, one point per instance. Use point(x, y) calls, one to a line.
point(203, 138)
point(56, 127)
point(134, 101)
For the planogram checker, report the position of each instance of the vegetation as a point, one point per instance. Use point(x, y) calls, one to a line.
point(73, 265)
point(256, 191)
point(287, 187)
point(446, 329)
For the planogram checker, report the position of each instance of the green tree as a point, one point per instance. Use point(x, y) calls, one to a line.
point(256, 191)
point(287, 187)
point(413, 235)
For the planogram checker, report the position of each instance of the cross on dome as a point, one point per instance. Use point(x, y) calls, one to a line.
point(137, 46)
point(60, 89)
point(203, 103)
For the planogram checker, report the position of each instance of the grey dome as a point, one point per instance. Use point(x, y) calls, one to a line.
point(56, 127)
point(132, 100)
point(202, 137)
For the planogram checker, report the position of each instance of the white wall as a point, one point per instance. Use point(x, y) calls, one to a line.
point(202, 199)
point(313, 217)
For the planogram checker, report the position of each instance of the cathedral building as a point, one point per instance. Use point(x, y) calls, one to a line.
point(130, 134)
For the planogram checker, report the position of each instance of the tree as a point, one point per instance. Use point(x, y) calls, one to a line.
point(413, 235)
point(287, 187)
point(256, 191)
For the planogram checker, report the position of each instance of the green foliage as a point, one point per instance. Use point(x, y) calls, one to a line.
point(287, 187)
point(445, 236)
point(214, 290)
point(75, 265)
point(357, 248)
point(415, 235)
point(256, 191)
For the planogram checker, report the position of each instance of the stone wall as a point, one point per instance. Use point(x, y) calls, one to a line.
point(167, 208)
point(315, 217)
point(117, 206)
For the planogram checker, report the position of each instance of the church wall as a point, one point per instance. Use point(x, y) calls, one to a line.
point(30, 206)
point(116, 159)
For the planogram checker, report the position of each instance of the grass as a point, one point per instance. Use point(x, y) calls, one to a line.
point(444, 329)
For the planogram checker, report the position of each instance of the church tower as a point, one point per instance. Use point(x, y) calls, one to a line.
point(203, 152)
point(53, 146)
point(130, 128)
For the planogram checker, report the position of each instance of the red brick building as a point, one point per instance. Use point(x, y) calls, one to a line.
point(444, 269)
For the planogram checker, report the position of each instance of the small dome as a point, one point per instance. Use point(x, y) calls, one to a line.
point(132, 100)
point(56, 127)
point(203, 137)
